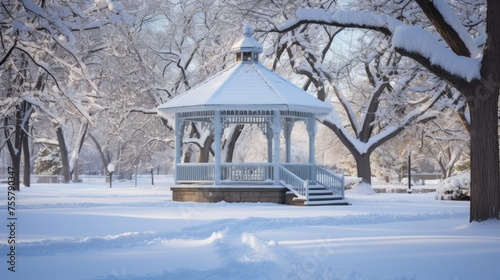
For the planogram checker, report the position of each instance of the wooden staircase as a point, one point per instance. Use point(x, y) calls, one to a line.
point(315, 192)
point(320, 195)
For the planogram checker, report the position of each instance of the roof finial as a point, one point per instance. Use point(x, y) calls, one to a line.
point(248, 30)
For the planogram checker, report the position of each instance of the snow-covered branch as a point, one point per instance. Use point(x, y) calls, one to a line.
point(364, 20)
point(411, 41)
point(422, 46)
point(450, 27)
point(45, 141)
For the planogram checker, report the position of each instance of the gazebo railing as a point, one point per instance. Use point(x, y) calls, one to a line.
point(318, 175)
point(194, 172)
point(302, 170)
point(230, 172)
point(291, 175)
point(326, 178)
point(247, 172)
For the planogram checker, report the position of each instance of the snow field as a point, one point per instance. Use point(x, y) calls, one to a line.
point(89, 231)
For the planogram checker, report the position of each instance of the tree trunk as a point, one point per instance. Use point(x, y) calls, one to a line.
point(15, 139)
point(27, 162)
point(15, 149)
point(483, 107)
point(485, 179)
point(76, 152)
point(101, 153)
point(64, 154)
point(16, 164)
point(442, 167)
point(205, 150)
point(363, 167)
point(188, 150)
point(232, 142)
point(188, 154)
point(75, 171)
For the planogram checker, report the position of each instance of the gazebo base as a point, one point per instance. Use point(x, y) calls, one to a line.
point(229, 193)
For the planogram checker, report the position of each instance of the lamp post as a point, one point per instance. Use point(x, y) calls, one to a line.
point(135, 171)
point(409, 170)
point(152, 178)
point(111, 169)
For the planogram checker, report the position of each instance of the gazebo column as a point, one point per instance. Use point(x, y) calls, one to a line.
point(311, 130)
point(276, 147)
point(217, 151)
point(288, 140)
point(269, 136)
point(179, 131)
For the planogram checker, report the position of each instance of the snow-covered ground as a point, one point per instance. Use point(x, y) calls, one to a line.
point(89, 231)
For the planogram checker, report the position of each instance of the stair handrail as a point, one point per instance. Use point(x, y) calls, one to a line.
point(293, 182)
point(331, 181)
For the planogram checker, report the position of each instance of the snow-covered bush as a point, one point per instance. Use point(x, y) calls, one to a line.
point(454, 188)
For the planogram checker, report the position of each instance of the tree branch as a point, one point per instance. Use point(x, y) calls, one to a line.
point(387, 26)
point(8, 53)
point(458, 82)
point(449, 34)
point(296, 23)
point(367, 125)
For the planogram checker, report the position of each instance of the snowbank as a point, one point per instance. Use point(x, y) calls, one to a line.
point(362, 188)
point(454, 188)
point(351, 182)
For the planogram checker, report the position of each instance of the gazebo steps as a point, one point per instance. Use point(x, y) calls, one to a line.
point(320, 191)
point(318, 201)
point(326, 202)
point(318, 195)
point(324, 197)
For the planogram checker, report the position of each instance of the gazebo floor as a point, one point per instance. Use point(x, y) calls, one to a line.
point(229, 193)
point(246, 193)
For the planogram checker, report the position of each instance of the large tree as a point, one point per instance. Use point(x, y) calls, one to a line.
point(389, 94)
point(449, 50)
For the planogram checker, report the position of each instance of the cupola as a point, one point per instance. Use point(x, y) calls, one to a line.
point(247, 49)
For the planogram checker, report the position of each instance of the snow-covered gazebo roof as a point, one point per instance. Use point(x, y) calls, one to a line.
point(249, 86)
point(246, 85)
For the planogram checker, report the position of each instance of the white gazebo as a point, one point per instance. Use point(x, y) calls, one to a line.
point(249, 93)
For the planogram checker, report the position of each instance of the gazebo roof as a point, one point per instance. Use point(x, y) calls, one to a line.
point(246, 85)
